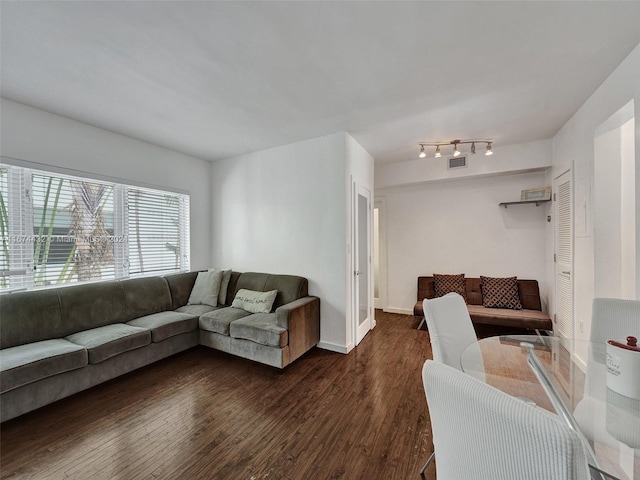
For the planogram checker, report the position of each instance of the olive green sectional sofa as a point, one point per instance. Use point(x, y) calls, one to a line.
point(56, 342)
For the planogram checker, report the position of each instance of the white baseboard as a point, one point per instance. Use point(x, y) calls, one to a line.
point(334, 347)
point(402, 311)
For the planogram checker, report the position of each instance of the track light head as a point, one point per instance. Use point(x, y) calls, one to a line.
point(473, 148)
point(422, 152)
point(438, 154)
point(456, 152)
point(489, 150)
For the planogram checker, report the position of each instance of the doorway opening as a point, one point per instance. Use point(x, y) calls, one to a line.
point(614, 207)
point(379, 254)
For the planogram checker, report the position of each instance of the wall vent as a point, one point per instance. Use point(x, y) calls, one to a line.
point(457, 162)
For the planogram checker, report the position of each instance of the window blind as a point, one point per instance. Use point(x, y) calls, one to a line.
point(156, 231)
point(60, 229)
point(16, 262)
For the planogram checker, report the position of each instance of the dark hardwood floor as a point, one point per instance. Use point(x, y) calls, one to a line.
point(205, 414)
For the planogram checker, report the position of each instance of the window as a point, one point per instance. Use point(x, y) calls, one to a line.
point(59, 229)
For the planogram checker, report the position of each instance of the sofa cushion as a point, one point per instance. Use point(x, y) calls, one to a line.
point(444, 284)
point(532, 319)
point(289, 287)
point(218, 321)
point(206, 289)
point(180, 286)
point(500, 292)
point(34, 361)
point(22, 320)
point(196, 310)
point(144, 296)
point(260, 328)
point(92, 305)
point(254, 302)
point(110, 340)
point(251, 281)
point(166, 324)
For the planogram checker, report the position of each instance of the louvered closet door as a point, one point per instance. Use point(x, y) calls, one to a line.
point(563, 256)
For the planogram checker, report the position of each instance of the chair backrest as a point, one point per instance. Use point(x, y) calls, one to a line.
point(611, 319)
point(480, 432)
point(450, 328)
point(614, 319)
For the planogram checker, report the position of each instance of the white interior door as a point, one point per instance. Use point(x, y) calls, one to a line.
point(362, 271)
point(563, 255)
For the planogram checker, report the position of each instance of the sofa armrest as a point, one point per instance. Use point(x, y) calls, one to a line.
point(302, 320)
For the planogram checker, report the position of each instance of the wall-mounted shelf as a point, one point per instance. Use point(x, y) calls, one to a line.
point(524, 202)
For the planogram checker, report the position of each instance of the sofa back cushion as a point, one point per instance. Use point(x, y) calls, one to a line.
point(231, 289)
point(529, 294)
point(92, 305)
point(27, 317)
point(474, 291)
point(145, 296)
point(289, 287)
point(180, 286)
point(251, 281)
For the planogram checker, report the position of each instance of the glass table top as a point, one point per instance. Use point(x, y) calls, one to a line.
point(576, 374)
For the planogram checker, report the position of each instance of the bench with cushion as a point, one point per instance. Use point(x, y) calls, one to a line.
point(530, 316)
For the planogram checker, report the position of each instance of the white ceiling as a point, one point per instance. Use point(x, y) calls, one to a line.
point(219, 79)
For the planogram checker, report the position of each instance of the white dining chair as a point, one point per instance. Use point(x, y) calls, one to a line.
point(611, 319)
point(482, 433)
point(451, 332)
point(450, 328)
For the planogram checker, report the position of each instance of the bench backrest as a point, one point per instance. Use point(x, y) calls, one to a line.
point(528, 290)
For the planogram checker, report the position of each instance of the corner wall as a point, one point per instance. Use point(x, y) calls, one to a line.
point(573, 148)
point(282, 210)
point(60, 144)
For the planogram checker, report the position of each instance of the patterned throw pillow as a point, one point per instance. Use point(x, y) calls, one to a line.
point(500, 292)
point(444, 284)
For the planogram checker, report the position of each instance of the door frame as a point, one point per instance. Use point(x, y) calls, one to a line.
point(358, 331)
point(380, 302)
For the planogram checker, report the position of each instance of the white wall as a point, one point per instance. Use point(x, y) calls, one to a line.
point(60, 144)
point(628, 210)
point(573, 147)
point(359, 169)
point(282, 210)
point(607, 214)
point(456, 226)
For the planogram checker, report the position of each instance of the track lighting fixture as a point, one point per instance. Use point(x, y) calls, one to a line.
point(456, 150)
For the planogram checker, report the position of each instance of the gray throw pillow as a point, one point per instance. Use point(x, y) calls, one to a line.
point(206, 289)
point(224, 284)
